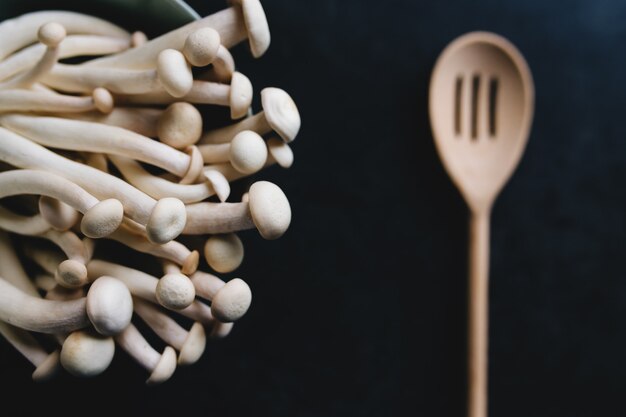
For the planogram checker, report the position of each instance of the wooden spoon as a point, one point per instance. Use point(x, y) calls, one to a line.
point(481, 108)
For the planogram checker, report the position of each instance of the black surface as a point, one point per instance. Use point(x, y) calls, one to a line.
point(359, 310)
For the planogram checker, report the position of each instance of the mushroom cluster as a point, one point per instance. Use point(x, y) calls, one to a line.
point(110, 144)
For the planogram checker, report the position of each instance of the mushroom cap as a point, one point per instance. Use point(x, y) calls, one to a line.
point(194, 345)
point(175, 291)
point(270, 209)
point(240, 97)
point(48, 368)
point(248, 152)
point(164, 368)
point(218, 181)
point(71, 274)
point(102, 219)
point(281, 152)
point(51, 34)
point(224, 253)
point(201, 46)
point(180, 125)
point(58, 214)
point(232, 301)
point(221, 330)
point(190, 264)
point(86, 353)
point(138, 38)
point(281, 112)
point(167, 220)
point(256, 23)
point(174, 72)
point(109, 305)
point(102, 100)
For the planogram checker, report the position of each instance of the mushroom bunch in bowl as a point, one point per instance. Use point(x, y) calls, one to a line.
point(101, 140)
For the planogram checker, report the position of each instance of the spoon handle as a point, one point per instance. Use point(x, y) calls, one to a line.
point(478, 314)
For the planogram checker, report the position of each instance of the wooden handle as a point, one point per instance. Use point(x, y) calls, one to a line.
point(478, 315)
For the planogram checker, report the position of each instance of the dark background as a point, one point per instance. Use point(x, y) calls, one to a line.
point(360, 309)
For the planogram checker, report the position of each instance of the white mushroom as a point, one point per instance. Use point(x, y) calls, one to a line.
point(279, 114)
point(190, 343)
point(237, 95)
point(101, 217)
point(86, 353)
point(234, 24)
point(222, 68)
point(59, 215)
point(18, 151)
point(229, 301)
point(21, 31)
point(72, 46)
point(180, 125)
point(268, 210)
point(72, 135)
point(109, 305)
point(45, 102)
point(224, 252)
point(175, 291)
point(247, 152)
point(31, 226)
point(172, 73)
point(201, 47)
point(46, 364)
point(160, 366)
point(50, 35)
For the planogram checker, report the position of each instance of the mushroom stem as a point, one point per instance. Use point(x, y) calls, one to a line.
point(172, 74)
point(161, 366)
point(34, 314)
point(212, 218)
point(223, 67)
point(237, 95)
point(101, 217)
point(231, 24)
point(44, 102)
point(51, 35)
point(158, 187)
point(28, 226)
point(94, 137)
point(72, 46)
point(279, 114)
point(172, 250)
point(21, 31)
point(21, 152)
point(59, 215)
point(46, 364)
point(141, 120)
point(190, 343)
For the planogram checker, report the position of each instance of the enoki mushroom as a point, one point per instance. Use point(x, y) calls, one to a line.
point(115, 148)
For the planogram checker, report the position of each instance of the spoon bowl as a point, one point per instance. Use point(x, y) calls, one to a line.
point(481, 107)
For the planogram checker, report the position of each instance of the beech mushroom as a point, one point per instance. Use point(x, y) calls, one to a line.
point(237, 95)
point(109, 305)
point(72, 46)
point(190, 343)
point(161, 366)
point(201, 46)
point(21, 31)
point(21, 152)
point(86, 353)
point(101, 217)
point(175, 291)
point(51, 35)
point(279, 114)
point(224, 253)
point(59, 215)
point(229, 300)
point(158, 187)
point(46, 364)
point(141, 120)
point(39, 101)
point(70, 134)
point(268, 210)
point(247, 152)
point(234, 24)
point(222, 68)
point(180, 125)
